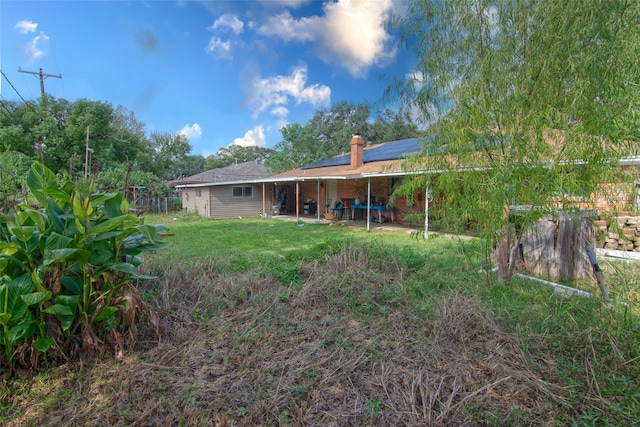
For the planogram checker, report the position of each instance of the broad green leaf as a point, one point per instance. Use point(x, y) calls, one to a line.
point(68, 300)
point(36, 297)
point(43, 344)
point(109, 235)
point(8, 249)
point(101, 256)
point(56, 214)
point(39, 179)
point(124, 267)
point(36, 218)
point(66, 321)
point(63, 254)
point(79, 210)
point(55, 242)
point(124, 206)
point(112, 206)
point(58, 194)
point(148, 247)
point(80, 226)
point(5, 318)
point(11, 297)
point(84, 188)
point(147, 231)
point(59, 309)
point(134, 260)
point(71, 302)
point(21, 331)
point(37, 276)
point(105, 313)
point(23, 233)
point(72, 284)
point(108, 225)
point(103, 198)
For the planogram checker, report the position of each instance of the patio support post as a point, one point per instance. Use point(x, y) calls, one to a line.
point(426, 213)
point(264, 205)
point(368, 203)
point(298, 200)
point(318, 202)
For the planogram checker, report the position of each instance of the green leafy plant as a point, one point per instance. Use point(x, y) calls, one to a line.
point(68, 259)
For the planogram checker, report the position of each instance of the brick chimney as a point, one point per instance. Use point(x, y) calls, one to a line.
point(357, 144)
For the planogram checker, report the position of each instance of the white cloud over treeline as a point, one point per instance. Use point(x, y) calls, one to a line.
point(350, 34)
point(274, 93)
point(253, 137)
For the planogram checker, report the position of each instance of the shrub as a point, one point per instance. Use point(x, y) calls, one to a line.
point(67, 261)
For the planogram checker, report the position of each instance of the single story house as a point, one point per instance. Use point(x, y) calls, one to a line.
point(367, 172)
point(228, 192)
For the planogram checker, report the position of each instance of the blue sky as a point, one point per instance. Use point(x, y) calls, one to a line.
point(222, 72)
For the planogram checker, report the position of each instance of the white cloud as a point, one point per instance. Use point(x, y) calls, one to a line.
point(193, 131)
point(286, 27)
point(351, 33)
point(275, 93)
point(33, 49)
point(253, 137)
point(279, 111)
point(228, 22)
point(356, 36)
point(25, 27)
point(284, 3)
point(219, 49)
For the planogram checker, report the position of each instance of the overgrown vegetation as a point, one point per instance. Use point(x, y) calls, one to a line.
point(350, 330)
point(68, 257)
point(533, 103)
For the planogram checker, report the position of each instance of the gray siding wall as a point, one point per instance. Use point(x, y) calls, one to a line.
point(224, 205)
point(196, 204)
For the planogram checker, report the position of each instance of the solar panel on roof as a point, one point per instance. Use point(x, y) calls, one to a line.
point(387, 151)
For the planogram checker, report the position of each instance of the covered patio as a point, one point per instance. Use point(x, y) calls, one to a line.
point(352, 187)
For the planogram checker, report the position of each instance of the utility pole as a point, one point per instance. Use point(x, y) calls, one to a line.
point(42, 76)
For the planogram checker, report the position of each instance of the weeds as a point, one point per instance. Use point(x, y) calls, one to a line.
point(363, 335)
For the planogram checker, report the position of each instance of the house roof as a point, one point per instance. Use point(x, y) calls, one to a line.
point(379, 159)
point(388, 151)
point(384, 159)
point(240, 172)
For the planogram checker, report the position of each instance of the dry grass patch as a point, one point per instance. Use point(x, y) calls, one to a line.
point(345, 348)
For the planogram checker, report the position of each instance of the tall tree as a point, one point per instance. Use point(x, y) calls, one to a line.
point(391, 125)
point(334, 127)
point(85, 120)
point(166, 152)
point(298, 147)
point(236, 154)
point(329, 131)
point(128, 138)
point(535, 100)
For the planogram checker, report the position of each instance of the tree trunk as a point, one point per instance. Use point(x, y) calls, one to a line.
point(503, 251)
point(556, 248)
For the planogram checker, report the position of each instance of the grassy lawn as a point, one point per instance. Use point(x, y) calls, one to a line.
point(272, 322)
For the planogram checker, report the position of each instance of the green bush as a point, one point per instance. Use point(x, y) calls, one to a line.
point(67, 261)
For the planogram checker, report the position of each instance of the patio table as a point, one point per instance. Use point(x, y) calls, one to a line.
point(378, 208)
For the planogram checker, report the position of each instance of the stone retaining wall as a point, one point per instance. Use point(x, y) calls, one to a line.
point(623, 237)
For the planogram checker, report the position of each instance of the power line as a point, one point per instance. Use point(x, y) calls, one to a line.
point(9, 111)
point(16, 90)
